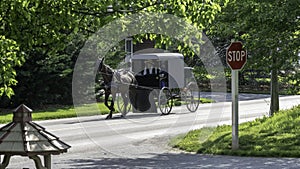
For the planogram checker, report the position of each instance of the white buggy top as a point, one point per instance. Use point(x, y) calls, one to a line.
point(154, 63)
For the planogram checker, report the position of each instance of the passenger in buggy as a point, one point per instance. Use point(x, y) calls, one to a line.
point(153, 74)
point(150, 68)
point(163, 76)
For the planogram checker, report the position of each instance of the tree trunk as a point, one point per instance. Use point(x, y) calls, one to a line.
point(274, 106)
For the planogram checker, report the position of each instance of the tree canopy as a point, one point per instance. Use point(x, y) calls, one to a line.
point(40, 40)
point(44, 37)
point(270, 31)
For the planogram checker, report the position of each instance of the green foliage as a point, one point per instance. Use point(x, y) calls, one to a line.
point(267, 28)
point(8, 61)
point(276, 136)
point(46, 79)
point(44, 26)
point(270, 32)
point(36, 28)
point(49, 78)
point(49, 35)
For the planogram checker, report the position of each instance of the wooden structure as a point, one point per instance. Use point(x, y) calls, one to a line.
point(25, 138)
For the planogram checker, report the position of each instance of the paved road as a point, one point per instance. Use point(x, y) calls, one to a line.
point(141, 140)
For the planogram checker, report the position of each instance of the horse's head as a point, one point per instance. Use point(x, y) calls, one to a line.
point(101, 66)
point(106, 72)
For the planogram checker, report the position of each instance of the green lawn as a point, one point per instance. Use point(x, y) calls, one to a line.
point(58, 112)
point(277, 136)
point(179, 102)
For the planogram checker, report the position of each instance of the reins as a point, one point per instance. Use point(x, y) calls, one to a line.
point(118, 81)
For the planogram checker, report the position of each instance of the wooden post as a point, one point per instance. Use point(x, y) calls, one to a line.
point(5, 162)
point(47, 161)
point(38, 162)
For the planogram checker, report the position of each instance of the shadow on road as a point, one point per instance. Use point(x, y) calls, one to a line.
point(186, 161)
point(130, 116)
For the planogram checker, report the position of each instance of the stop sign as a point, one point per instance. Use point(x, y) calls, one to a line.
point(236, 56)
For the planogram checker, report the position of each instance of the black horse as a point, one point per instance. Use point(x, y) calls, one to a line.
point(116, 81)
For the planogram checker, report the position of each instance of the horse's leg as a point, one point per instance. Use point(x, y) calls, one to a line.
point(112, 103)
point(112, 107)
point(125, 100)
point(108, 106)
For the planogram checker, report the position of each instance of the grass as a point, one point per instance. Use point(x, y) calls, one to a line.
point(179, 102)
point(58, 112)
point(277, 136)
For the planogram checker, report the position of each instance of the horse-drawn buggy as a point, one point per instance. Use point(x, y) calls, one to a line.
point(156, 81)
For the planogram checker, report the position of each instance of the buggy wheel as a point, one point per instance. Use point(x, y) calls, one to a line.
point(165, 101)
point(122, 106)
point(192, 99)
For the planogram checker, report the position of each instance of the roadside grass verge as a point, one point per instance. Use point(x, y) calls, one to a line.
point(58, 112)
point(276, 136)
point(179, 102)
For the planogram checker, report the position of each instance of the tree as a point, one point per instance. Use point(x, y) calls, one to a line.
point(270, 32)
point(41, 32)
point(9, 51)
point(29, 28)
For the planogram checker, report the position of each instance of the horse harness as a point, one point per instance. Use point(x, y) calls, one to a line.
point(115, 80)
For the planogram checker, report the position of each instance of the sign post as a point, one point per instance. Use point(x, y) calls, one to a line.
point(235, 108)
point(236, 58)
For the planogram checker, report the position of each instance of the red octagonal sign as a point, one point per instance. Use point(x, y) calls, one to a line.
point(236, 56)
